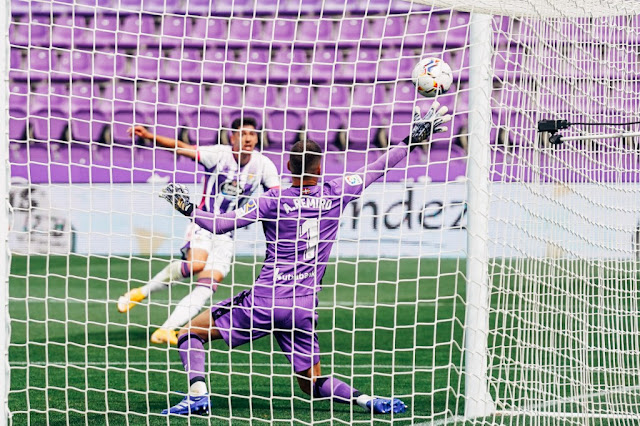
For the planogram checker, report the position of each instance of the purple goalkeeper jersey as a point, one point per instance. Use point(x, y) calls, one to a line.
point(300, 225)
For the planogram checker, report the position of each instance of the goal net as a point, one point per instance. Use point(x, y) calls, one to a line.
point(490, 278)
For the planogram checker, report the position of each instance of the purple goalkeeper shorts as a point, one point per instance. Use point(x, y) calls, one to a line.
point(292, 321)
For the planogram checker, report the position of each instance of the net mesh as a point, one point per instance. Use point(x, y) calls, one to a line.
point(87, 225)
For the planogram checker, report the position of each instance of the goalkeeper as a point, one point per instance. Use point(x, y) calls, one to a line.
point(300, 225)
point(233, 173)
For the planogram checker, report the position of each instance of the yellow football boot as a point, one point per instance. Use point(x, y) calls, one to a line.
point(130, 299)
point(162, 335)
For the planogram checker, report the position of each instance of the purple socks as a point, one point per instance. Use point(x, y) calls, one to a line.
point(329, 387)
point(191, 349)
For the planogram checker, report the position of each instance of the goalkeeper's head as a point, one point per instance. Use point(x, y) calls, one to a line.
point(305, 162)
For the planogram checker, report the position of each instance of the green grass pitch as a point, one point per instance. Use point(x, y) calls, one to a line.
point(76, 360)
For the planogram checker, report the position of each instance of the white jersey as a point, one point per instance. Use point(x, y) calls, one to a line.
point(227, 186)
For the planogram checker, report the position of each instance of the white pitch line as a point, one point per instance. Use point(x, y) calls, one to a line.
point(442, 422)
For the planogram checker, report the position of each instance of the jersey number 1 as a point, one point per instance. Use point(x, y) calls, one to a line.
point(310, 227)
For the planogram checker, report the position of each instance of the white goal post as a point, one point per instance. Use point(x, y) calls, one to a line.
point(537, 15)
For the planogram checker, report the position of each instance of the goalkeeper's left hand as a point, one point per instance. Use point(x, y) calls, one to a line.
point(432, 122)
point(178, 195)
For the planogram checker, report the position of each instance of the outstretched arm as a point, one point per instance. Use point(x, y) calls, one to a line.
point(178, 196)
point(180, 147)
point(421, 131)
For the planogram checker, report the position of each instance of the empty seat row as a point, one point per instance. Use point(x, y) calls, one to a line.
point(206, 7)
point(173, 31)
point(231, 65)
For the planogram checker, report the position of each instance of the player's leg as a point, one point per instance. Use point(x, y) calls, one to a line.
point(194, 257)
point(216, 267)
point(233, 320)
point(191, 342)
point(302, 349)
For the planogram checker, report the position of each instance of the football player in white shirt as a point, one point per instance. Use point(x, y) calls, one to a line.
point(233, 173)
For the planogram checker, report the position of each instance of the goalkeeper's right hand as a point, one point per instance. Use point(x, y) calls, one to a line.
point(424, 127)
point(178, 196)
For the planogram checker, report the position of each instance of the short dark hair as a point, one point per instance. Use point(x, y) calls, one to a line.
point(305, 156)
point(244, 121)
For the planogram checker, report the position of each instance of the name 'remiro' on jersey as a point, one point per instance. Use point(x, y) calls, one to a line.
point(308, 203)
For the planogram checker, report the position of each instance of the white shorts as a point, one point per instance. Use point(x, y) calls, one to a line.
point(219, 248)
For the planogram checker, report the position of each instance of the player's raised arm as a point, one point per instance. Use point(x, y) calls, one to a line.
point(180, 147)
point(178, 196)
point(422, 130)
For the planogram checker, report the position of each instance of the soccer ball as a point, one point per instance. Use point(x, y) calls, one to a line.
point(432, 76)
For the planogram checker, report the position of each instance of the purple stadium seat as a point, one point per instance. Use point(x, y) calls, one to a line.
point(62, 31)
point(350, 31)
point(87, 124)
point(345, 66)
point(81, 64)
point(290, 67)
point(213, 64)
point(283, 30)
point(323, 126)
point(212, 95)
point(195, 33)
point(216, 28)
point(40, 62)
point(284, 127)
point(18, 106)
point(364, 125)
point(235, 67)
point(257, 64)
point(330, 97)
point(366, 64)
point(199, 7)
point(458, 60)
point(181, 65)
point(105, 30)
point(323, 65)
point(309, 32)
point(204, 126)
point(363, 95)
point(40, 31)
point(417, 27)
point(240, 30)
point(130, 5)
point(373, 31)
point(166, 121)
point(145, 65)
point(16, 65)
point(173, 30)
point(388, 67)
point(125, 116)
point(49, 124)
point(136, 31)
point(19, 33)
point(297, 97)
point(337, 7)
point(190, 94)
point(165, 6)
point(266, 7)
point(108, 65)
point(457, 34)
point(82, 95)
point(400, 124)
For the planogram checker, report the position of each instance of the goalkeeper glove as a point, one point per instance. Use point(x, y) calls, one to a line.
point(178, 195)
point(431, 123)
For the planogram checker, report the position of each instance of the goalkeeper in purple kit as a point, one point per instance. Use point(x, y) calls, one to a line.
point(300, 225)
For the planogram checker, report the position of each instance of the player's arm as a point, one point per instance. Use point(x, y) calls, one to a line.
point(178, 196)
point(421, 132)
point(180, 147)
point(270, 177)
